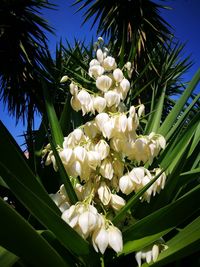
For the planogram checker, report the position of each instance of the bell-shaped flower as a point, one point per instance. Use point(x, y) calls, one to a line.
point(104, 193)
point(84, 97)
point(91, 129)
point(75, 169)
point(137, 174)
point(101, 119)
point(112, 98)
point(87, 222)
point(94, 159)
point(96, 71)
point(94, 62)
point(125, 86)
point(80, 153)
point(115, 239)
point(100, 240)
point(75, 103)
point(102, 148)
point(126, 184)
point(109, 63)
point(73, 88)
point(67, 156)
point(99, 104)
point(118, 75)
point(150, 253)
point(106, 169)
point(103, 83)
point(117, 202)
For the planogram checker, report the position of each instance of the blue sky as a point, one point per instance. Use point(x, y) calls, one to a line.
point(184, 18)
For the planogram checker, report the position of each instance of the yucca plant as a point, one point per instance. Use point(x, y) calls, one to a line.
point(34, 231)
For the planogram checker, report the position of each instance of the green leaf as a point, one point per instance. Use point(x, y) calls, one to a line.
point(56, 131)
point(160, 222)
point(155, 118)
point(45, 215)
point(7, 258)
point(13, 159)
point(175, 112)
point(36, 251)
point(186, 242)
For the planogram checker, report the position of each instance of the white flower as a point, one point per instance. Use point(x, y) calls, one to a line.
point(106, 169)
point(73, 88)
point(84, 98)
point(117, 202)
point(91, 129)
point(104, 193)
point(94, 159)
point(125, 86)
point(96, 71)
point(126, 184)
point(94, 62)
point(99, 104)
point(75, 103)
point(112, 98)
point(103, 83)
point(101, 119)
point(150, 253)
point(100, 240)
point(102, 148)
point(80, 153)
point(109, 63)
point(67, 156)
point(115, 239)
point(118, 75)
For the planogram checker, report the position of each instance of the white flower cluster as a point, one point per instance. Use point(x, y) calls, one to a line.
point(112, 87)
point(85, 220)
point(151, 252)
point(103, 156)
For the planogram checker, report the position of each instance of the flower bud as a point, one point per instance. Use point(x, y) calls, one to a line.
point(115, 239)
point(141, 110)
point(99, 55)
point(64, 79)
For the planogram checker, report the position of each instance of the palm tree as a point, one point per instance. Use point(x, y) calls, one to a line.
point(128, 24)
point(22, 40)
